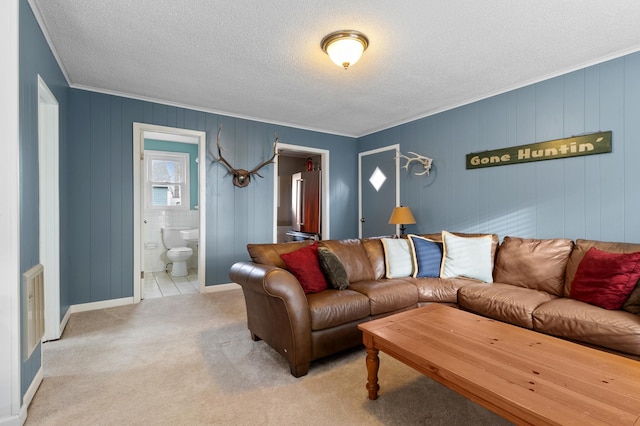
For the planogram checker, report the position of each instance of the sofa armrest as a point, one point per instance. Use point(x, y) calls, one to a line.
point(277, 311)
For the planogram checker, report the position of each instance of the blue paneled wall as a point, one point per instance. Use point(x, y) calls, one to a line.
point(100, 154)
point(593, 197)
point(35, 58)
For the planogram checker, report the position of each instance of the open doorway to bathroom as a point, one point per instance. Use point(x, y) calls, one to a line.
point(302, 172)
point(169, 227)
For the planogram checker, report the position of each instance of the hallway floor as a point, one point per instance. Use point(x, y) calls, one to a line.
point(160, 284)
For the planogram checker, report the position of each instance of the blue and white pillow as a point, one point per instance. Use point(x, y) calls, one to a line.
point(468, 257)
point(397, 257)
point(427, 256)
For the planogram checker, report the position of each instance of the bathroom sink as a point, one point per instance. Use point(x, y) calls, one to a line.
point(190, 235)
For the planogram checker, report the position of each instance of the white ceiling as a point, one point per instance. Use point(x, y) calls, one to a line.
point(262, 60)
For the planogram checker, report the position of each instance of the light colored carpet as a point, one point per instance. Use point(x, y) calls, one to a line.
point(189, 360)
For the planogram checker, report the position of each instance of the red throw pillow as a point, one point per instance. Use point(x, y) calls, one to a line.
point(606, 279)
point(305, 266)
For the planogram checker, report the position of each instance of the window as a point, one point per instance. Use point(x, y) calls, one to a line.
point(167, 180)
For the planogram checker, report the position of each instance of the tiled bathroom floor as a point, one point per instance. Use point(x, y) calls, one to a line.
point(160, 284)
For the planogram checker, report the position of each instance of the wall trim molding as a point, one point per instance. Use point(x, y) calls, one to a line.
point(140, 131)
point(31, 392)
point(92, 306)
point(10, 301)
point(112, 303)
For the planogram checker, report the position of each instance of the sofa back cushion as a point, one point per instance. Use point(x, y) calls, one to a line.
point(533, 263)
point(269, 254)
point(375, 253)
point(581, 248)
point(353, 257)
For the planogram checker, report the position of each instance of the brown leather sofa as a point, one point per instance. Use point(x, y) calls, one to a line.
point(531, 289)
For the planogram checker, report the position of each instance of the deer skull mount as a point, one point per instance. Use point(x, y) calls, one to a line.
point(242, 177)
point(424, 161)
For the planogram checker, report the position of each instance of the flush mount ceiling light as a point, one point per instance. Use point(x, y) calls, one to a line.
point(345, 47)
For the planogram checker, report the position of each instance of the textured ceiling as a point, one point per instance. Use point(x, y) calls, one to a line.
point(262, 59)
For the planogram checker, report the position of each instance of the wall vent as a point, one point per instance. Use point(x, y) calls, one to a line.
point(33, 282)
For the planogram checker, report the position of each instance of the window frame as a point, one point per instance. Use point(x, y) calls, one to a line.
point(184, 184)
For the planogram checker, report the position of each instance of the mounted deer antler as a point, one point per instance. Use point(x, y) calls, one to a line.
point(242, 177)
point(425, 161)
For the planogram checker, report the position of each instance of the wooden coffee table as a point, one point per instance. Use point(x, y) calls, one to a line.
point(524, 376)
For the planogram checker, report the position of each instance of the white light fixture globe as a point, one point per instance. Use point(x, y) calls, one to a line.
point(345, 47)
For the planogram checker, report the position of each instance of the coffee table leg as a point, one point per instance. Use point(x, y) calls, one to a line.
point(373, 363)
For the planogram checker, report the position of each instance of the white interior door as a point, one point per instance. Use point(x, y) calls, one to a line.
point(379, 181)
point(49, 207)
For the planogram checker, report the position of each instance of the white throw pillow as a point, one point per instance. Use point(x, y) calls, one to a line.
point(397, 257)
point(468, 257)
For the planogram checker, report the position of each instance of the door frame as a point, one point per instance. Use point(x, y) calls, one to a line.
point(394, 147)
point(324, 166)
point(139, 130)
point(49, 206)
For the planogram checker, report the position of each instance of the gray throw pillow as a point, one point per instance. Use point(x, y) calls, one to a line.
point(333, 268)
point(632, 304)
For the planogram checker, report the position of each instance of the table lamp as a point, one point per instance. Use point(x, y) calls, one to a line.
point(402, 216)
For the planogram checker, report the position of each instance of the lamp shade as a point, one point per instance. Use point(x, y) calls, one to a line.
point(402, 216)
point(345, 47)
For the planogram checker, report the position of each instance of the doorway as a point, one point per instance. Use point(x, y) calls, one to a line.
point(291, 159)
point(379, 190)
point(143, 243)
point(49, 207)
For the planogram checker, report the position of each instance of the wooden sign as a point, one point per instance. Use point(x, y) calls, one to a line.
point(593, 143)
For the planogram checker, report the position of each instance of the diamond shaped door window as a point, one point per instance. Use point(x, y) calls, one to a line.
point(377, 179)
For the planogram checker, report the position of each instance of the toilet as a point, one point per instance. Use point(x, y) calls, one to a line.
point(177, 250)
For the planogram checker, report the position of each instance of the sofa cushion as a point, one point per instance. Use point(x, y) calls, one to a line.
point(441, 290)
point(581, 248)
point(503, 302)
point(353, 257)
point(606, 279)
point(397, 257)
point(305, 266)
point(468, 257)
point(387, 295)
point(331, 308)
point(269, 254)
point(333, 269)
point(426, 255)
point(375, 253)
point(533, 263)
point(575, 320)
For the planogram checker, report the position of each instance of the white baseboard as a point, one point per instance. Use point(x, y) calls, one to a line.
point(26, 401)
point(221, 287)
point(65, 320)
point(33, 388)
point(92, 306)
point(15, 420)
